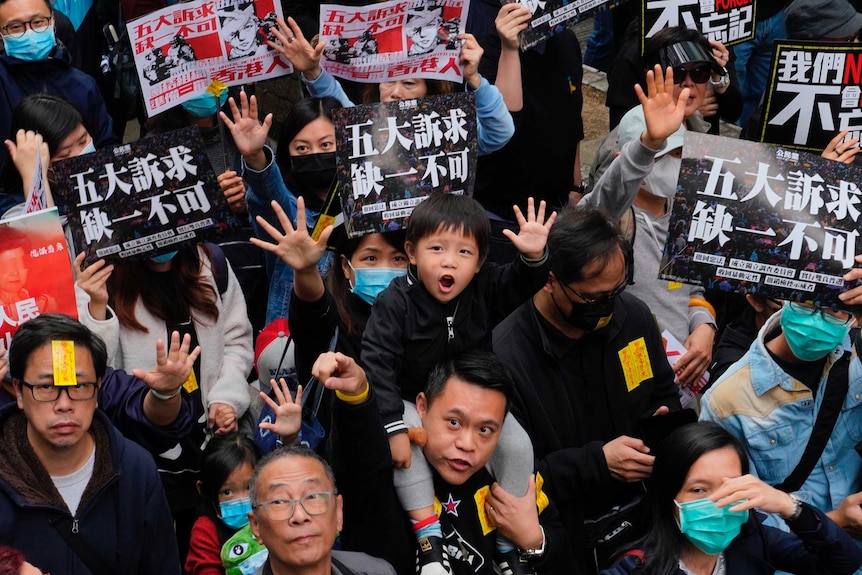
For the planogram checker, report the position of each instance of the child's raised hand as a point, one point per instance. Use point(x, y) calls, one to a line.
point(248, 133)
point(399, 446)
point(288, 412)
point(295, 247)
point(533, 234)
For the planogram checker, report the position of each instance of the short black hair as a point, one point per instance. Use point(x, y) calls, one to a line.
point(49, 327)
point(451, 212)
point(581, 236)
point(288, 451)
point(476, 367)
point(302, 114)
point(223, 454)
point(51, 116)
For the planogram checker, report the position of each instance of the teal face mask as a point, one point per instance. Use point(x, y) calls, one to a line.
point(89, 148)
point(709, 528)
point(809, 336)
point(31, 45)
point(234, 513)
point(204, 106)
point(369, 282)
point(163, 258)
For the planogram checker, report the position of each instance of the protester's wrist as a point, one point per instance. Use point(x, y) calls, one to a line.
point(165, 396)
point(313, 74)
point(354, 397)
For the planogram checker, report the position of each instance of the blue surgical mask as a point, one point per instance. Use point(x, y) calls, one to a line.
point(89, 148)
point(369, 282)
point(163, 258)
point(809, 336)
point(204, 106)
point(708, 527)
point(234, 513)
point(31, 45)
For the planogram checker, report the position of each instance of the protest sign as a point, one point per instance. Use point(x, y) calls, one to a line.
point(386, 41)
point(35, 271)
point(728, 21)
point(748, 213)
point(180, 49)
point(813, 93)
point(391, 155)
point(554, 16)
point(143, 199)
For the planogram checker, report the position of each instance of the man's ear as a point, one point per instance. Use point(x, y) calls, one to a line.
point(421, 404)
point(549, 283)
point(410, 250)
point(339, 512)
point(19, 393)
point(255, 528)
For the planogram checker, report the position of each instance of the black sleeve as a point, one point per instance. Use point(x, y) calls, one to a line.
point(312, 326)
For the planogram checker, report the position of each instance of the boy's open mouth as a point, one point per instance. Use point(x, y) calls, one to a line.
point(447, 282)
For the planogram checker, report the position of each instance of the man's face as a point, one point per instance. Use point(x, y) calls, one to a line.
point(462, 425)
point(22, 11)
point(303, 540)
point(696, 90)
point(61, 424)
point(13, 271)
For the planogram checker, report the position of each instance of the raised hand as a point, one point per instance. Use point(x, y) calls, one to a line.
point(288, 412)
point(532, 236)
point(295, 247)
point(248, 133)
point(512, 19)
point(172, 366)
point(662, 112)
point(293, 46)
point(471, 53)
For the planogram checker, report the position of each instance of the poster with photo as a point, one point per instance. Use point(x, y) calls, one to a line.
point(390, 156)
point(753, 217)
point(35, 271)
point(181, 49)
point(554, 16)
point(813, 93)
point(143, 199)
point(386, 41)
point(728, 21)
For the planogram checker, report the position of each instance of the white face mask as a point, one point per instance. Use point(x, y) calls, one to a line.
point(662, 179)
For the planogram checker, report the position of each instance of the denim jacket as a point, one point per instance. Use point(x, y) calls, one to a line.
point(494, 123)
point(773, 414)
point(263, 187)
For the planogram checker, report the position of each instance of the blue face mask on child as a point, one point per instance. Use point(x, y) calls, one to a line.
point(369, 282)
point(204, 106)
point(31, 45)
point(234, 513)
point(709, 528)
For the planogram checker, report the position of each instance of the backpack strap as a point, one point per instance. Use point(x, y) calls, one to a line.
point(69, 532)
point(219, 263)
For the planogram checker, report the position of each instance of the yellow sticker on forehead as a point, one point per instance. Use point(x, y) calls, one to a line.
point(216, 88)
point(634, 359)
point(63, 356)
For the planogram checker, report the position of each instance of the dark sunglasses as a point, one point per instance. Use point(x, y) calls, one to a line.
point(699, 74)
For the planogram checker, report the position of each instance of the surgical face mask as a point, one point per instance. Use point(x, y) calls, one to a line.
point(808, 334)
point(204, 106)
point(708, 527)
point(314, 171)
point(163, 258)
point(369, 282)
point(31, 46)
point(234, 513)
point(662, 179)
point(89, 148)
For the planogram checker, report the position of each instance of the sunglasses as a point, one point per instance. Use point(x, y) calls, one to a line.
point(699, 74)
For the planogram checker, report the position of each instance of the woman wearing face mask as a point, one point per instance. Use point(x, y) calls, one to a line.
point(133, 304)
point(494, 122)
point(638, 189)
point(702, 506)
point(39, 119)
point(305, 167)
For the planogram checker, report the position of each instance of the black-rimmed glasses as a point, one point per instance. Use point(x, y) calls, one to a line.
point(37, 24)
point(282, 509)
point(50, 392)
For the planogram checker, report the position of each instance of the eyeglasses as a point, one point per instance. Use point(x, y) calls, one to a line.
point(282, 509)
point(699, 74)
point(590, 301)
point(832, 314)
point(38, 24)
point(50, 392)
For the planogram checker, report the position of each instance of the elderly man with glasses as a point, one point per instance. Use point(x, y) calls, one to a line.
point(75, 495)
point(297, 513)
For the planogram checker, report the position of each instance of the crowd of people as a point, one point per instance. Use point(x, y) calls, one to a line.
point(485, 391)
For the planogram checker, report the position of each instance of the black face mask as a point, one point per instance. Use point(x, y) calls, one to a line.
point(589, 316)
point(314, 171)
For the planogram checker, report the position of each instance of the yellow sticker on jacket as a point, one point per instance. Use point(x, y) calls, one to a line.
point(191, 383)
point(541, 497)
point(63, 357)
point(486, 522)
point(674, 285)
point(635, 362)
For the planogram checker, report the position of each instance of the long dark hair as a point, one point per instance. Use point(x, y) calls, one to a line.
point(673, 458)
point(340, 288)
point(303, 113)
point(129, 280)
point(223, 454)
